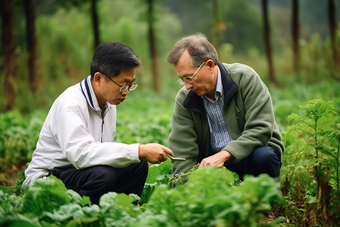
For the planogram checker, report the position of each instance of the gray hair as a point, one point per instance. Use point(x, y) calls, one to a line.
point(199, 48)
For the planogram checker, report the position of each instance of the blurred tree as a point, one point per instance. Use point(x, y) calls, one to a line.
point(242, 25)
point(296, 35)
point(33, 73)
point(95, 23)
point(268, 42)
point(218, 26)
point(8, 47)
point(152, 44)
point(333, 31)
point(193, 15)
point(67, 4)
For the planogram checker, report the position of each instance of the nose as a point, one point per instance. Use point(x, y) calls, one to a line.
point(126, 92)
point(188, 86)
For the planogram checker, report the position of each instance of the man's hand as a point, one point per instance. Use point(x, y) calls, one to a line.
point(217, 159)
point(154, 152)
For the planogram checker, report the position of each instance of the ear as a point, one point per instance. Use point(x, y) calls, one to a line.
point(97, 78)
point(210, 63)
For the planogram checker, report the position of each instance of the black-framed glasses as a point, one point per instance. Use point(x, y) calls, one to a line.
point(189, 79)
point(124, 87)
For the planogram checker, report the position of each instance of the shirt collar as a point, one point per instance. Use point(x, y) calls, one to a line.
point(88, 92)
point(219, 87)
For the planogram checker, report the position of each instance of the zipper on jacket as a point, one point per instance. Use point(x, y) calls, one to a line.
point(103, 114)
point(101, 137)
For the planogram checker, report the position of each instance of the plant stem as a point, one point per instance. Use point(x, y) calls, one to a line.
point(316, 138)
point(337, 169)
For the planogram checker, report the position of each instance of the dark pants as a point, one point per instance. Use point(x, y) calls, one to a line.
point(98, 180)
point(262, 160)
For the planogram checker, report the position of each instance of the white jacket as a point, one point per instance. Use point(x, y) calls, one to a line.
point(77, 133)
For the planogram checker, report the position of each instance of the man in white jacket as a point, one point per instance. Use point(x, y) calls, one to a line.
point(76, 141)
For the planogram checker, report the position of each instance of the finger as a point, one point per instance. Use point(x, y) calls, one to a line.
point(201, 165)
point(163, 157)
point(167, 150)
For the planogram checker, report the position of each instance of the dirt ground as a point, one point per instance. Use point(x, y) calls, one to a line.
point(9, 176)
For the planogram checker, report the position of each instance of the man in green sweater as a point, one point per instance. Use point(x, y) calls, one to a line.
point(223, 115)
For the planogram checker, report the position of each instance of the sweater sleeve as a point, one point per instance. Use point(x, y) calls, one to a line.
point(258, 115)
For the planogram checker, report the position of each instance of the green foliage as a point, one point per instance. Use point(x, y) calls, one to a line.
point(45, 194)
point(144, 118)
point(294, 177)
point(209, 199)
point(18, 137)
point(242, 22)
point(118, 210)
point(320, 157)
point(74, 197)
point(289, 99)
point(17, 187)
point(158, 174)
point(9, 203)
point(319, 117)
point(334, 141)
point(70, 214)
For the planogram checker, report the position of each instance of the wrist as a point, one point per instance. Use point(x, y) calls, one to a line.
point(141, 151)
point(227, 155)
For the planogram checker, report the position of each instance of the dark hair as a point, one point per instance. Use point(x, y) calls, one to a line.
point(110, 58)
point(199, 48)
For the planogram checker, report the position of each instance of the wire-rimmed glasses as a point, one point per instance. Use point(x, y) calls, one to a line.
point(124, 87)
point(189, 79)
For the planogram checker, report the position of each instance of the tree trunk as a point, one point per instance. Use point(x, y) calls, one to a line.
point(323, 190)
point(216, 30)
point(95, 23)
point(268, 42)
point(295, 35)
point(333, 30)
point(8, 47)
point(153, 48)
point(34, 81)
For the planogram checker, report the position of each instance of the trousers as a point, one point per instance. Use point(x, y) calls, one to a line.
point(97, 180)
point(263, 159)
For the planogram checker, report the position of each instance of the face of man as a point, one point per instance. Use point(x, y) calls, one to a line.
point(108, 91)
point(204, 82)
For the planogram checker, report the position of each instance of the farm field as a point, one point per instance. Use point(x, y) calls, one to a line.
point(146, 117)
point(294, 46)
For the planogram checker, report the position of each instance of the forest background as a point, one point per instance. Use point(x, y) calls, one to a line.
point(40, 57)
point(47, 46)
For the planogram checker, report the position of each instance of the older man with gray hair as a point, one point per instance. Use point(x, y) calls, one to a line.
point(223, 115)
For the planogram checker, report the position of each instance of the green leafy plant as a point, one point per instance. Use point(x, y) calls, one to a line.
point(210, 199)
point(158, 174)
point(18, 137)
point(45, 194)
point(319, 117)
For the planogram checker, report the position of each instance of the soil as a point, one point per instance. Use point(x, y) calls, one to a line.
point(9, 176)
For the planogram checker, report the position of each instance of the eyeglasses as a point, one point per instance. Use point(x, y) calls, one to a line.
point(124, 87)
point(189, 79)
